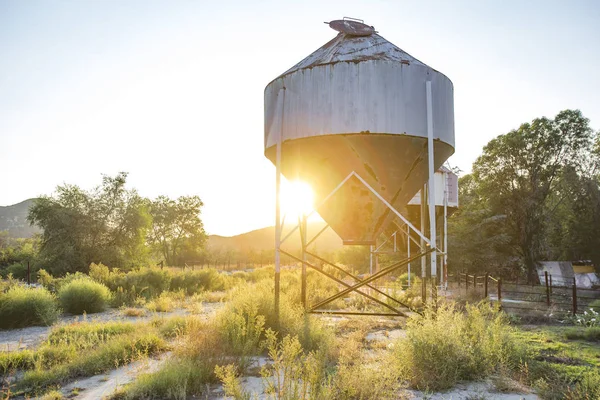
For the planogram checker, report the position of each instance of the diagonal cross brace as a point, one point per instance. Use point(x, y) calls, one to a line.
point(396, 311)
point(378, 275)
point(359, 280)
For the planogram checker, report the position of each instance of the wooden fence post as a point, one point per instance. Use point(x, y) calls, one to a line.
point(551, 285)
point(434, 292)
point(547, 289)
point(574, 296)
point(28, 273)
point(485, 284)
point(500, 293)
point(466, 280)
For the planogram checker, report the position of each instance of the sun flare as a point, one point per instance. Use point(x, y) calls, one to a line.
point(296, 198)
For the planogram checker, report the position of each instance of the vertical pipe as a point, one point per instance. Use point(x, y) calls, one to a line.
point(408, 250)
point(422, 242)
point(371, 260)
point(278, 211)
point(431, 185)
point(303, 240)
point(445, 263)
point(574, 296)
point(547, 289)
point(422, 227)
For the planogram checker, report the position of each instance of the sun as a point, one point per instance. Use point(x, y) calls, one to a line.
point(297, 198)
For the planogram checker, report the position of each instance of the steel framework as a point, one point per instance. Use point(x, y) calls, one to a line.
point(427, 244)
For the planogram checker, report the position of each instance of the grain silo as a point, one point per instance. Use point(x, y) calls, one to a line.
point(365, 124)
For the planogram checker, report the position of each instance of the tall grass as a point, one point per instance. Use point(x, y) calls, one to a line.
point(84, 295)
point(21, 306)
point(443, 348)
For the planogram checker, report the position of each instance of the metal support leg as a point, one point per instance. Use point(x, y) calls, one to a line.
point(431, 184)
point(278, 213)
point(303, 240)
point(422, 243)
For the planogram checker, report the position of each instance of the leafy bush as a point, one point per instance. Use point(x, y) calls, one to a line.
point(21, 306)
point(17, 270)
point(46, 280)
point(84, 295)
point(163, 303)
point(198, 281)
point(251, 301)
point(443, 348)
point(145, 282)
point(589, 318)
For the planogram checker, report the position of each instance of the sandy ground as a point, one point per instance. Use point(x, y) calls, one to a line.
point(102, 386)
point(31, 337)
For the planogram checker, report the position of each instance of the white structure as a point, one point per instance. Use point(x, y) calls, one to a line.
point(366, 125)
point(563, 272)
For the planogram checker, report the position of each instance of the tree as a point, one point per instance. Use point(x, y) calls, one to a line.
point(176, 226)
point(478, 240)
point(518, 172)
point(106, 225)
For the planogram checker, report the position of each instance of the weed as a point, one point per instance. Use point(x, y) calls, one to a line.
point(84, 295)
point(21, 306)
point(133, 312)
point(231, 383)
point(293, 374)
point(475, 344)
point(163, 303)
point(53, 395)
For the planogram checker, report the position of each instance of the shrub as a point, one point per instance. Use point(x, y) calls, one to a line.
point(250, 301)
point(145, 282)
point(193, 282)
point(188, 372)
point(46, 280)
point(443, 348)
point(163, 303)
point(84, 295)
point(595, 305)
point(21, 359)
point(21, 306)
point(294, 374)
point(17, 270)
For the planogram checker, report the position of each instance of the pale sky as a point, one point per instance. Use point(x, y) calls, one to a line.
point(172, 91)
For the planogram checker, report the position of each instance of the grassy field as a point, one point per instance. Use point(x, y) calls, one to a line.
point(242, 350)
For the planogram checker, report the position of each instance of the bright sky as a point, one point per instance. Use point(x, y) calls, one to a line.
point(172, 91)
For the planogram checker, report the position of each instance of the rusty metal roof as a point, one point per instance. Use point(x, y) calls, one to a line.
point(351, 48)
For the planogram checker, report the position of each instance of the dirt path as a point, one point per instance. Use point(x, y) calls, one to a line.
point(31, 337)
point(101, 386)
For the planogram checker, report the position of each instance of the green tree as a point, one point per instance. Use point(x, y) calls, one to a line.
point(177, 229)
point(106, 225)
point(574, 229)
point(519, 171)
point(478, 239)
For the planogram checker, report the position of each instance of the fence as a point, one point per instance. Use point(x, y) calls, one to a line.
point(550, 295)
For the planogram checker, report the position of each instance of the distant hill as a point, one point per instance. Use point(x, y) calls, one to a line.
point(264, 239)
point(14, 220)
